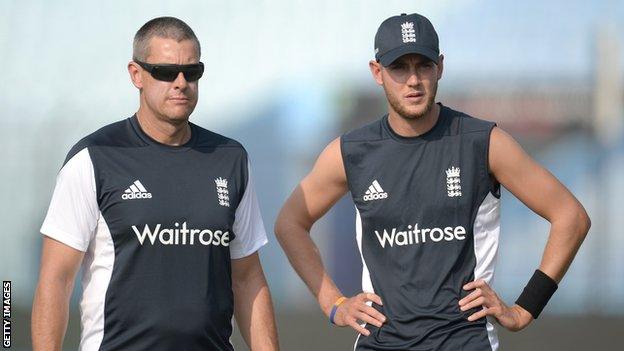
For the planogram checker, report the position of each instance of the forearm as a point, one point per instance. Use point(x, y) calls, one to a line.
point(50, 314)
point(566, 235)
point(253, 310)
point(304, 256)
point(568, 230)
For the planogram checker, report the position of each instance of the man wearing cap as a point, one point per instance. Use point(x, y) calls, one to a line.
point(425, 180)
point(163, 217)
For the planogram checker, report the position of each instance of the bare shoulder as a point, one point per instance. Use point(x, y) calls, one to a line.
point(329, 165)
point(332, 151)
point(505, 155)
point(500, 138)
point(318, 191)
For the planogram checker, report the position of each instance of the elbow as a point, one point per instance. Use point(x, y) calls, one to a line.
point(287, 226)
point(279, 228)
point(282, 230)
point(584, 221)
point(581, 221)
point(574, 221)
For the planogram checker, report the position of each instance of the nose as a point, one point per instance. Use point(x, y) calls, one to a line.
point(180, 82)
point(412, 78)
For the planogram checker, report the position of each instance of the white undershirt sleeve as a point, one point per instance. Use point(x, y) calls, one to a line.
point(73, 213)
point(248, 225)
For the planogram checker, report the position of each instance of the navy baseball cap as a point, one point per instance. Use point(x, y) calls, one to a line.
point(406, 34)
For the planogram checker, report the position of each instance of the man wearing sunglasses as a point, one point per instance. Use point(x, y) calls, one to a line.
point(162, 215)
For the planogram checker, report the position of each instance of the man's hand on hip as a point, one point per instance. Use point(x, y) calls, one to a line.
point(355, 309)
point(513, 318)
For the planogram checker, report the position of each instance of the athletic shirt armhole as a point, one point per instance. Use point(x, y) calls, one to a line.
point(494, 187)
point(344, 165)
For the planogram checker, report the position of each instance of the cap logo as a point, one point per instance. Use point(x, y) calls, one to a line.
point(408, 33)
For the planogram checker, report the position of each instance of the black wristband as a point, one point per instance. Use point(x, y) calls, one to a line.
point(536, 293)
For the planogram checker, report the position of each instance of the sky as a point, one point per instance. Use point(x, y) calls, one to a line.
point(73, 56)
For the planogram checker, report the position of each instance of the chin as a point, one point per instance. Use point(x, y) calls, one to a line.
point(179, 115)
point(414, 112)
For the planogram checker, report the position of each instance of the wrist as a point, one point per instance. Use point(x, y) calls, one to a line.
point(328, 301)
point(537, 293)
point(334, 309)
point(523, 315)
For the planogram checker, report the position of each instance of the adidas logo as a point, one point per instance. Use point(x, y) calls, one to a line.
point(136, 191)
point(375, 192)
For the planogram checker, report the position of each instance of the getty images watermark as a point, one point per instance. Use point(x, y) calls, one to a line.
point(6, 314)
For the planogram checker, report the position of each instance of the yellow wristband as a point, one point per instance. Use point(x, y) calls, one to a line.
point(332, 314)
point(339, 301)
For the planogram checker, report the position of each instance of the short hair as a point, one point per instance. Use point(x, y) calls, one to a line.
point(164, 27)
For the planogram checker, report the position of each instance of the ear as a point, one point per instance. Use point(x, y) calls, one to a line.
point(375, 68)
point(440, 66)
point(135, 74)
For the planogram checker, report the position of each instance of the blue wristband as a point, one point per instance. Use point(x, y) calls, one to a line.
point(332, 314)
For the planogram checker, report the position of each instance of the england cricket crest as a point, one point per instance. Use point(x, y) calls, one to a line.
point(408, 33)
point(222, 192)
point(453, 182)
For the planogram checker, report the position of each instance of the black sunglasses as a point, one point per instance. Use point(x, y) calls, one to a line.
point(169, 73)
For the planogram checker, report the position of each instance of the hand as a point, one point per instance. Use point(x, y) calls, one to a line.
point(513, 318)
point(355, 309)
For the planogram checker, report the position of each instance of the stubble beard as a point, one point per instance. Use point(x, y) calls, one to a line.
point(173, 118)
point(396, 105)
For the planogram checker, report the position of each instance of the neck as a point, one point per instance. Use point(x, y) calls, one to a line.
point(164, 132)
point(412, 127)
